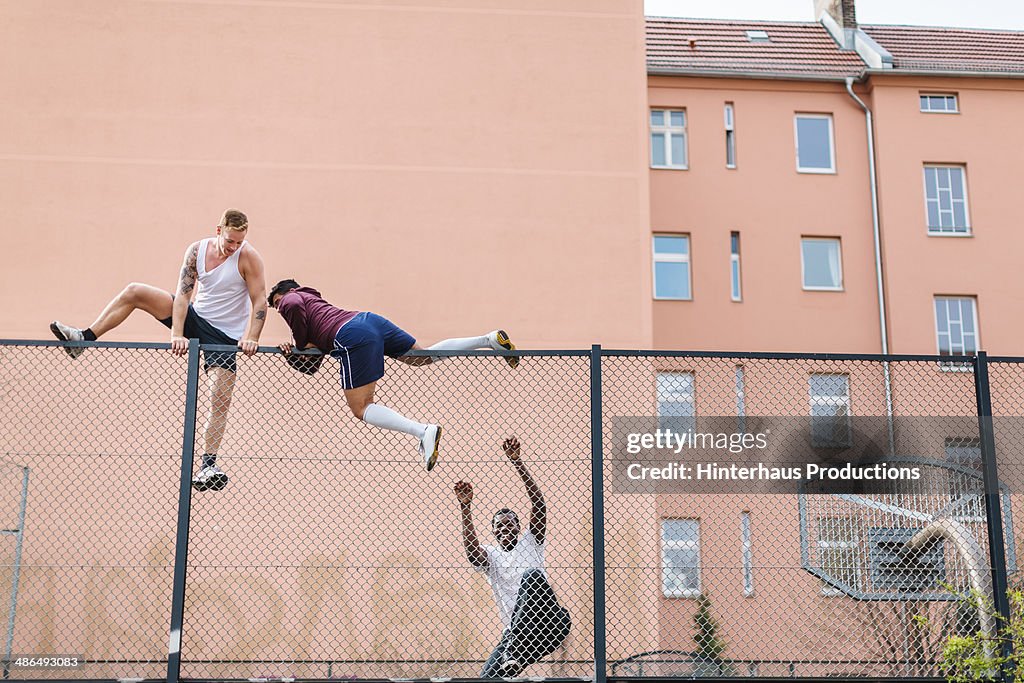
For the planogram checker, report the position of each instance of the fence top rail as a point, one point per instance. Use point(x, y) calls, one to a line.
point(1005, 359)
point(769, 355)
point(606, 353)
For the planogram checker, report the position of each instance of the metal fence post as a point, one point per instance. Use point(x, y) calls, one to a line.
point(597, 496)
point(993, 511)
point(188, 441)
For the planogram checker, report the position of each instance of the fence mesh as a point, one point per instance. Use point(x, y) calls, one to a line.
point(99, 441)
point(332, 553)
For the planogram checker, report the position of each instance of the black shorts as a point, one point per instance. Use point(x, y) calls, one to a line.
point(197, 328)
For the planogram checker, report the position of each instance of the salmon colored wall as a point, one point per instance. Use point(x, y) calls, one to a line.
point(772, 206)
point(433, 161)
point(919, 266)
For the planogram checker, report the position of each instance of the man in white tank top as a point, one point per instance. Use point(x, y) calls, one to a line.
point(228, 308)
point(535, 624)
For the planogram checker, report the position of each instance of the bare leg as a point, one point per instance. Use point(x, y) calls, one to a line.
point(416, 360)
point(222, 384)
point(359, 398)
point(152, 300)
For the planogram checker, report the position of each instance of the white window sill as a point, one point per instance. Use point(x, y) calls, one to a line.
point(939, 111)
point(966, 232)
point(686, 595)
point(816, 171)
point(672, 298)
point(824, 289)
point(670, 168)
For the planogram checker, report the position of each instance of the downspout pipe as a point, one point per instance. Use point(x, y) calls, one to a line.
point(882, 324)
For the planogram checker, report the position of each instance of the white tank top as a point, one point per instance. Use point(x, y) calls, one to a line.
point(223, 297)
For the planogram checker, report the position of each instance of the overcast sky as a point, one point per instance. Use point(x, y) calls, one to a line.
point(1005, 14)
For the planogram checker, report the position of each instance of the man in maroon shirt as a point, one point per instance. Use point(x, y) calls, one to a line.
point(359, 341)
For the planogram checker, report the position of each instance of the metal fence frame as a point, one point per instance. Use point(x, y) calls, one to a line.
point(979, 366)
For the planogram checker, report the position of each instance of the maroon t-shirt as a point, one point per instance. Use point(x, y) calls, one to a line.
point(312, 319)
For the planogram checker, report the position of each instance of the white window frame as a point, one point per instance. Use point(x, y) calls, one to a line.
point(730, 134)
point(674, 395)
point(657, 257)
point(957, 231)
point(852, 545)
point(955, 366)
point(831, 142)
point(747, 556)
point(736, 283)
point(973, 508)
point(929, 110)
point(831, 401)
point(803, 269)
point(669, 130)
point(679, 545)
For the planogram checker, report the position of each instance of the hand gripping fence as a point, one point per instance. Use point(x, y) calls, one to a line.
point(324, 550)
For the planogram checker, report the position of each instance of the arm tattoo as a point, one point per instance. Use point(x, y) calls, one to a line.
point(187, 281)
point(260, 315)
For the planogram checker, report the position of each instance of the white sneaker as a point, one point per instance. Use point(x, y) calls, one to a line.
point(509, 668)
point(428, 445)
point(210, 478)
point(500, 342)
point(65, 333)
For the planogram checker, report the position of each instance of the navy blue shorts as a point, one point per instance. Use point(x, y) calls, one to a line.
point(197, 328)
point(362, 343)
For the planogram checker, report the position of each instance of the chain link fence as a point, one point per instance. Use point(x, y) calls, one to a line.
point(330, 553)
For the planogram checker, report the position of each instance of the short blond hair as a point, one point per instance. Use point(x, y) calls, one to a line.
point(233, 219)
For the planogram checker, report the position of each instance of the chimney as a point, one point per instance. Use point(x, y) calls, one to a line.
point(844, 14)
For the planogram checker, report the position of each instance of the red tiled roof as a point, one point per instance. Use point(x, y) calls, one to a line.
point(921, 48)
point(796, 49)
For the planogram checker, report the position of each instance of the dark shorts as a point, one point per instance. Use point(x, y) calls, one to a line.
point(362, 343)
point(197, 328)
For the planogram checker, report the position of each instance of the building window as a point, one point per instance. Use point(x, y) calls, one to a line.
point(894, 567)
point(945, 199)
point(672, 267)
point(730, 135)
point(839, 552)
point(675, 401)
point(966, 489)
point(680, 558)
point(668, 138)
point(748, 561)
point(956, 325)
point(734, 266)
point(821, 263)
point(741, 402)
point(830, 411)
point(939, 103)
point(815, 144)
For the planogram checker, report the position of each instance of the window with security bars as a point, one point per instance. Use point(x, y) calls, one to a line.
point(676, 409)
point(966, 489)
point(945, 198)
point(680, 558)
point(668, 138)
point(893, 566)
point(830, 411)
point(839, 557)
point(939, 103)
point(956, 328)
point(748, 556)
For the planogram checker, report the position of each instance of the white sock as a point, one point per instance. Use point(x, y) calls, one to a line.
point(462, 344)
point(385, 418)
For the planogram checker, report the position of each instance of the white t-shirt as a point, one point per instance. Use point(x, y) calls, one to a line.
point(505, 571)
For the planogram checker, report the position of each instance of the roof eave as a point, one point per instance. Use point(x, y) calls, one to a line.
point(937, 73)
point(754, 75)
